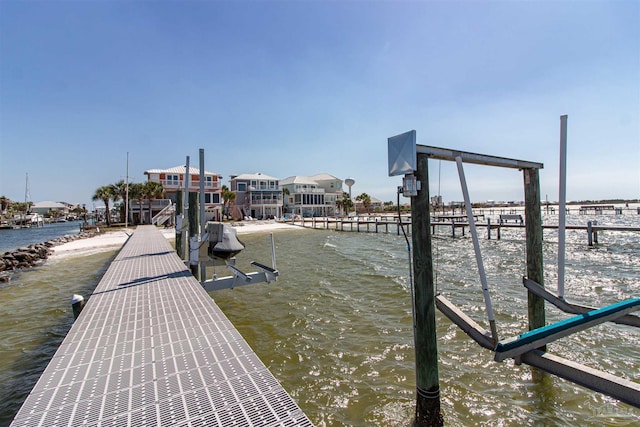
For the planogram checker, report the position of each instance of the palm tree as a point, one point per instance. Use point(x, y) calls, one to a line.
point(152, 190)
point(4, 203)
point(285, 193)
point(365, 199)
point(228, 197)
point(104, 193)
point(136, 192)
point(120, 188)
point(345, 203)
point(115, 194)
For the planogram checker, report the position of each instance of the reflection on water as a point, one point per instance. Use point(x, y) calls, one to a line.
point(335, 329)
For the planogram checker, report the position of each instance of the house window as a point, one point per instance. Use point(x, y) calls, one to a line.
point(242, 186)
point(212, 198)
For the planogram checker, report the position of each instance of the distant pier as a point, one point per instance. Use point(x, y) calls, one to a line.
point(456, 223)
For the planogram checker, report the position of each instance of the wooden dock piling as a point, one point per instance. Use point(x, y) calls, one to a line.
point(533, 227)
point(427, 378)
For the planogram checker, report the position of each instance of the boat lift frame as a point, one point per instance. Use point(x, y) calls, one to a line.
point(238, 278)
point(406, 157)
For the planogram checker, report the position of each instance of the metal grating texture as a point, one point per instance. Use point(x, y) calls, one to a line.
point(152, 348)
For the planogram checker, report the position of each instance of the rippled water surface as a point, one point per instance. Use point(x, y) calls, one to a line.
point(335, 329)
point(12, 239)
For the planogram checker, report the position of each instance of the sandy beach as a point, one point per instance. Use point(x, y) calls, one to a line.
point(113, 240)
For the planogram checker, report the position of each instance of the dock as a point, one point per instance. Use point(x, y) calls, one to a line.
point(387, 224)
point(151, 347)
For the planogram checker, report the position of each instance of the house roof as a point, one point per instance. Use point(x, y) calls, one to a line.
point(324, 177)
point(298, 179)
point(180, 169)
point(49, 205)
point(252, 176)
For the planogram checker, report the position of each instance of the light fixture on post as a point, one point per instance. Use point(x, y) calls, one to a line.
point(402, 161)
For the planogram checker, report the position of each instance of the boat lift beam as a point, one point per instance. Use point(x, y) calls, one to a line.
point(536, 338)
point(438, 153)
point(627, 319)
point(267, 274)
point(624, 390)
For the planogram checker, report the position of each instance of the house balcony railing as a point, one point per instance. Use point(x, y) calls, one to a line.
point(156, 204)
point(309, 191)
point(267, 203)
point(194, 185)
point(264, 188)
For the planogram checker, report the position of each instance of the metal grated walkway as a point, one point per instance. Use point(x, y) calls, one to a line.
point(152, 348)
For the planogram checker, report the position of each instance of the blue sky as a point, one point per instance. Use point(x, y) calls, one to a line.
point(305, 87)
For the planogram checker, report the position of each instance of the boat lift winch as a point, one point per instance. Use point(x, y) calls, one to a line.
point(218, 247)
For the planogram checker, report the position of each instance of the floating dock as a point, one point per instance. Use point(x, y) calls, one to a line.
point(152, 348)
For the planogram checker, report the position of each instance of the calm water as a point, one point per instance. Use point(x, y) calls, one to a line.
point(12, 239)
point(335, 329)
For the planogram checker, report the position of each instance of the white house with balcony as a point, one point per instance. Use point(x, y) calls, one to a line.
point(174, 180)
point(311, 195)
point(257, 196)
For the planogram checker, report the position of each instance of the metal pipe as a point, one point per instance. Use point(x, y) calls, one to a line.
point(203, 220)
point(563, 201)
point(476, 247)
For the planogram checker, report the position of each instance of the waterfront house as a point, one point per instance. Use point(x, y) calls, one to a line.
point(48, 208)
point(173, 181)
point(375, 205)
point(310, 196)
point(257, 196)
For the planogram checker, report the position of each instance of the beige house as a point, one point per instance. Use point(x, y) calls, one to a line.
point(311, 195)
point(258, 196)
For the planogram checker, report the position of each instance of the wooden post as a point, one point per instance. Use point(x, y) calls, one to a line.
point(427, 377)
point(533, 228)
point(589, 233)
point(77, 304)
point(488, 228)
point(179, 242)
point(193, 227)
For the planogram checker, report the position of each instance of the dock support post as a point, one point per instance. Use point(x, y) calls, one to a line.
point(426, 347)
point(193, 227)
point(202, 270)
point(179, 242)
point(77, 303)
point(533, 229)
point(589, 233)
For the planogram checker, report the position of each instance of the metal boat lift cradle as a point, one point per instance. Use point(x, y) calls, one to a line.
point(528, 347)
point(219, 246)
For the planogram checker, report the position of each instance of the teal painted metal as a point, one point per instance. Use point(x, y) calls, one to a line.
point(540, 336)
